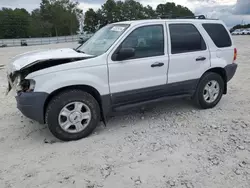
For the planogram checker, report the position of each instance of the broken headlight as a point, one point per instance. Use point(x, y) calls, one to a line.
point(28, 85)
point(24, 85)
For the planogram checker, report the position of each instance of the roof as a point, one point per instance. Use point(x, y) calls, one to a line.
point(136, 22)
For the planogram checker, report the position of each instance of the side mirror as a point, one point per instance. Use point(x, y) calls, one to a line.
point(125, 53)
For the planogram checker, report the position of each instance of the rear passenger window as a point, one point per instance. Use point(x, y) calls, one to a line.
point(218, 34)
point(185, 38)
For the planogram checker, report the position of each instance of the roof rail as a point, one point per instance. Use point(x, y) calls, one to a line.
point(193, 17)
point(185, 17)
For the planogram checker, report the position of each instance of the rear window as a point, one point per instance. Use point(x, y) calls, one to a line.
point(218, 34)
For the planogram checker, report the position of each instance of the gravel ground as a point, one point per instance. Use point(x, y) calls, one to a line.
point(171, 144)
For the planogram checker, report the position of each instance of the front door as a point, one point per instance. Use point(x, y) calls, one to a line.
point(141, 77)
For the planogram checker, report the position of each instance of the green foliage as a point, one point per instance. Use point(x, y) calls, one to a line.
point(14, 23)
point(63, 17)
point(172, 10)
point(91, 21)
point(114, 11)
point(53, 18)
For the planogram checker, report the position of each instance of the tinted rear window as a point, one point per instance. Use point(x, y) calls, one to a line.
point(218, 34)
point(185, 38)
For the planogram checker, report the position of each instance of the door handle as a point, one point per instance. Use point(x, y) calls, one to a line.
point(157, 64)
point(201, 59)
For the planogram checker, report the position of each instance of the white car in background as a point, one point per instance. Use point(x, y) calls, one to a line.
point(241, 32)
point(237, 32)
point(246, 31)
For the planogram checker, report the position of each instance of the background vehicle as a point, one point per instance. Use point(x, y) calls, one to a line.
point(84, 38)
point(3, 45)
point(24, 43)
point(237, 32)
point(241, 32)
point(246, 32)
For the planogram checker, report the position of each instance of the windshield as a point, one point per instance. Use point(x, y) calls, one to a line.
point(101, 41)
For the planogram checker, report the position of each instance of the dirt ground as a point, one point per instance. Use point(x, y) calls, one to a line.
point(171, 144)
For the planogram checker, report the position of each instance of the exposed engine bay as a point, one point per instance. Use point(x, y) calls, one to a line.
point(16, 79)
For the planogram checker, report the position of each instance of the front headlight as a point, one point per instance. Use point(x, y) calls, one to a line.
point(25, 85)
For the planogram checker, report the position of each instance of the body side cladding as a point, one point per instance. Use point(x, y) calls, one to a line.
point(152, 93)
point(151, 101)
point(106, 106)
point(122, 101)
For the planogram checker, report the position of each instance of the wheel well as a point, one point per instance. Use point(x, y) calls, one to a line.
point(222, 73)
point(92, 91)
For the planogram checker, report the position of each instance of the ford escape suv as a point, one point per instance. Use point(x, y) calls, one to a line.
point(123, 65)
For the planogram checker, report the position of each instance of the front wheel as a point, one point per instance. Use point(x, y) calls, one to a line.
point(72, 115)
point(209, 91)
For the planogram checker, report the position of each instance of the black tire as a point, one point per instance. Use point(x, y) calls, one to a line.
point(64, 98)
point(206, 78)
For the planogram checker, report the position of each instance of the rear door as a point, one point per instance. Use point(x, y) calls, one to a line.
point(221, 46)
point(189, 56)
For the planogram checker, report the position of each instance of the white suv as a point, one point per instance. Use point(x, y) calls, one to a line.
point(123, 65)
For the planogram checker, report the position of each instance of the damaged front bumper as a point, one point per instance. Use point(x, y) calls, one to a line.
point(31, 104)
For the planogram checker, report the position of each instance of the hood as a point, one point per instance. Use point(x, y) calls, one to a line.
point(24, 60)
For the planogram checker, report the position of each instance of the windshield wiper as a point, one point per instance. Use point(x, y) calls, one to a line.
point(79, 51)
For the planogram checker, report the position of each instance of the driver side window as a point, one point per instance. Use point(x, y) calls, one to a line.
point(147, 41)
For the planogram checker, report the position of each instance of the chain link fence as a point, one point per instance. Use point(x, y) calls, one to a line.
point(39, 41)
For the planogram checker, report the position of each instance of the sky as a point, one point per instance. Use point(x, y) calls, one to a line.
point(232, 12)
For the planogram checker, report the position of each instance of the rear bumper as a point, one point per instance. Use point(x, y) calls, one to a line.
point(32, 105)
point(230, 70)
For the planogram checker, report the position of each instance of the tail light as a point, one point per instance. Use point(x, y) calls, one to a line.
point(235, 54)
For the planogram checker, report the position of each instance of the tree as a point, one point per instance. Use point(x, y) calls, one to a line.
point(108, 11)
point(171, 10)
point(53, 18)
point(38, 27)
point(14, 23)
point(114, 11)
point(63, 16)
point(90, 21)
point(133, 10)
point(149, 12)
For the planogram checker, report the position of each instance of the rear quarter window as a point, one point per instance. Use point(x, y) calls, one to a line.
point(218, 34)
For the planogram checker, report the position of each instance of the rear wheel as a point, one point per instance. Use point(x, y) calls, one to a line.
point(209, 91)
point(72, 115)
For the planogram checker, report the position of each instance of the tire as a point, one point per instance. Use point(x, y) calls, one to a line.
point(71, 97)
point(199, 98)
